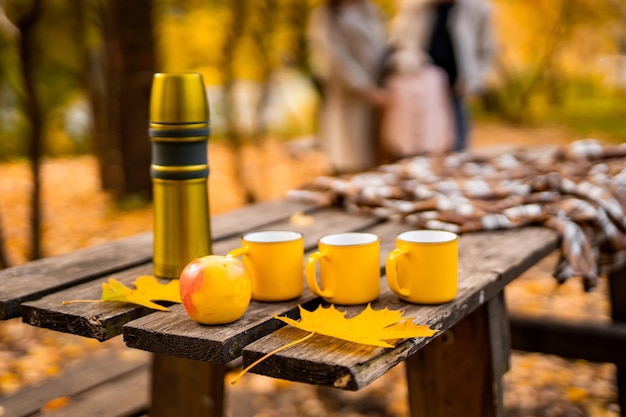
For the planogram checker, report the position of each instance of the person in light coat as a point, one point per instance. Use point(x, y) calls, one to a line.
point(347, 40)
point(459, 37)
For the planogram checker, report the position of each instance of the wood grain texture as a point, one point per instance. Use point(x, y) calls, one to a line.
point(105, 320)
point(182, 387)
point(101, 320)
point(44, 276)
point(325, 361)
point(76, 381)
point(453, 375)
point(174, 333)
point(238, 221)
point(38, 278)
point(122, 397)
point(487, 262)
point(323, 221)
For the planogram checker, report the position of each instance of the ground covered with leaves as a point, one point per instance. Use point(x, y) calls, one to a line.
point(77, 214)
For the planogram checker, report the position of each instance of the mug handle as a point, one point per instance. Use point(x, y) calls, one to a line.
point(241, 252)
point(311, 275)
point(391, 271)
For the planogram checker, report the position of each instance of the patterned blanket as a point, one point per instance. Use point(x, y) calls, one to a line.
point(578, 190)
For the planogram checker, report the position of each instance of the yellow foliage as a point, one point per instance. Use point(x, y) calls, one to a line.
point(247, 58)
point(525, 31)
point(192, 40)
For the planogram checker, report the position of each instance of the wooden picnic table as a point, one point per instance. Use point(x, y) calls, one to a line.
point(456, 373)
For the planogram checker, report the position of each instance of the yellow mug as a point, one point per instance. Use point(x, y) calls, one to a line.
point(274, 263)
point(349, 268)
point(423, 268)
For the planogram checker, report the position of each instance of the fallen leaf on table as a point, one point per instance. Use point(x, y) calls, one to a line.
point(370, 327)
point(300, 219)
point(147, 290)
point(56, 403)
point(154, 290)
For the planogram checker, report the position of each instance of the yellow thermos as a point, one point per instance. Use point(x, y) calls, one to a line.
point(179, 131)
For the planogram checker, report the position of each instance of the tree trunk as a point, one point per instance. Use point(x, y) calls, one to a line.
point(119, 80)
point(232, 135)
point(299, 19)
point(4, 260)
point(133, 64)
point(262, 36)
point(26, 25)
point(95, 24)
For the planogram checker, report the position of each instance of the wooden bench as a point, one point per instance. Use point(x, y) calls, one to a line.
point(473, 346)
point(102, 385)
point(595, 342)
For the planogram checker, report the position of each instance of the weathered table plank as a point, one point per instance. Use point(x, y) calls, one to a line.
point(345, 364)
point(175, 334)
point(123, 397)
point(350, 366)
point(221, 344)
point(95, 320)
point(488, 261)
point(235, 222)
point(105, 320)
point(44, 276)
point(77, 381)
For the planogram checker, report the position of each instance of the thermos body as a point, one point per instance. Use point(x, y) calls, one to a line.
point(179, 131)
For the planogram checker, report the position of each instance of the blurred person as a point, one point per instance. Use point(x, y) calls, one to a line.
point(458, 36)
point(418, 117)
point(347, 41)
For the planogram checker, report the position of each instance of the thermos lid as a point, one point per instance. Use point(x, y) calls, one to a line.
point(178, 98)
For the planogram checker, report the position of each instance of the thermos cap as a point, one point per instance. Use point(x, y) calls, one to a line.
point(178, 98)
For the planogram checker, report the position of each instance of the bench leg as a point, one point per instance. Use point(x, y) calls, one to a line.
point(460, 372)
point(617, 295)
point(182, 387)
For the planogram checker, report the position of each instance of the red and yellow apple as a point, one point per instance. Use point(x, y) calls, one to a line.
point(214, 289)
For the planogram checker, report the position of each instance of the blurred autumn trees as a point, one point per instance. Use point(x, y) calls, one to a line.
point(118, 64)
point(555, 51)
point(75, 74)
point(118, 71)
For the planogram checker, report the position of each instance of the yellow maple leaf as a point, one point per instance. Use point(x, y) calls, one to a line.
point(370, 327)
point(147, 290)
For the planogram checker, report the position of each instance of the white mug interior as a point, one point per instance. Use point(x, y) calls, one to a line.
point(272, 236)
point(428, 236)
point(349, 239)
